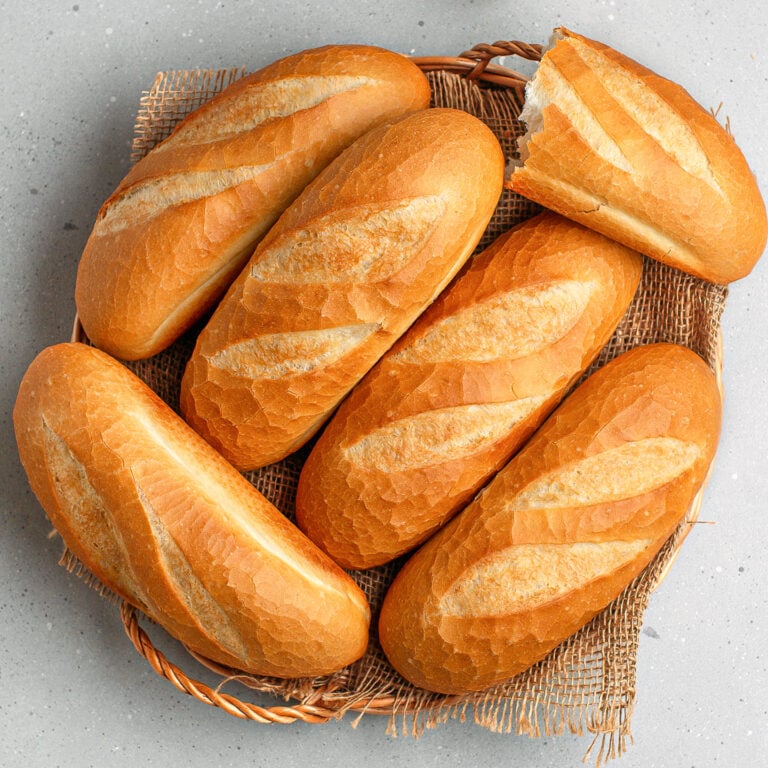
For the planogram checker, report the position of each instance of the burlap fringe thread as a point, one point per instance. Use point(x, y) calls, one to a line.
point(585, 685)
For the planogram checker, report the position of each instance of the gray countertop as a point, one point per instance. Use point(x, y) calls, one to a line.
point(75, 691)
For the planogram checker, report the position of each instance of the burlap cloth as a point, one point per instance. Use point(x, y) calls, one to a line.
point(588, 683)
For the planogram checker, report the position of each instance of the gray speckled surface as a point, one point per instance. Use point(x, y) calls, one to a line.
point(75, 692)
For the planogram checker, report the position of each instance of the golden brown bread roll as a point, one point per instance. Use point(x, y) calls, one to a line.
point(562, 529)
point(630, 154)
point(468, 383)
point(182, 223)
point(344, 272)
point(163, 521)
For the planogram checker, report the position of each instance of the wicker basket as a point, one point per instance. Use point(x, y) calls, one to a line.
point(588, 683)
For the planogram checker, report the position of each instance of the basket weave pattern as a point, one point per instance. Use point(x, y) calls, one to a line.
point(586, 684)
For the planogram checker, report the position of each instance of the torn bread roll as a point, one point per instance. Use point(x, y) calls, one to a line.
point(562, 529)
point(620, 149)
point(462, 390)
point(164, 522)
point(344, 272)
point(180, 226)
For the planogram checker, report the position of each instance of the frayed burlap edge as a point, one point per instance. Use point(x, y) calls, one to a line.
point(587, 685)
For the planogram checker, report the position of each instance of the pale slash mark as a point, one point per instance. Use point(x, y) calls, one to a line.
point(619, 473)
point(294, 353)
point(507, 326)
point(87, 513)
point(188, 588)
point(152, 197)
point(439, 436)
point(270, 100)
point(360, 244)
point(526, 576)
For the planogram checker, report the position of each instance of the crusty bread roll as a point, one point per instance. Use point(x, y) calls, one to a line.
point(562, 529)
point(469, 382)
point(163, 521)
point(630, 154)
point(182, 223)
point(344, 272)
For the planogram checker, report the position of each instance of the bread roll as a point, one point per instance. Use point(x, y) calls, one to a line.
point(620, 149)
point(469, 382)
point(562, 529)
point(182, 223)
point(344, 272)
point(164, 522)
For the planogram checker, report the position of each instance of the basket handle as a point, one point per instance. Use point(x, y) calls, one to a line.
point(306, 712)
point(476, 63)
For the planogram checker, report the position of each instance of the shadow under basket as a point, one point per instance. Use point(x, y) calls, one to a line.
point(587, 684)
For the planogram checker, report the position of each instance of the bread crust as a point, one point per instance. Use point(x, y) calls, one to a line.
point(165, 523)
point(562, 529)
point(349, 266)
point(463, 389)
point(185, 219)
point(624, 151)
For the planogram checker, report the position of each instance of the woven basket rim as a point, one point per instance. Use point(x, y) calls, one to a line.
point(475, 64)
